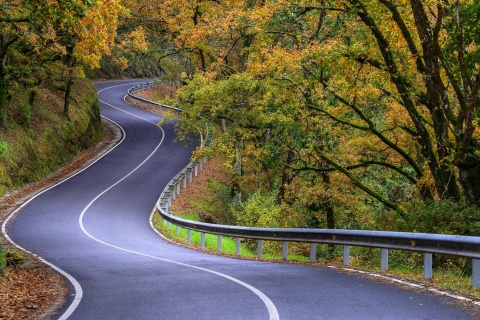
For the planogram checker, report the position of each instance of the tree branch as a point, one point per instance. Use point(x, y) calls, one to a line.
point(364, 187)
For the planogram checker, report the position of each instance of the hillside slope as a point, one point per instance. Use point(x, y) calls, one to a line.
point(39, 138)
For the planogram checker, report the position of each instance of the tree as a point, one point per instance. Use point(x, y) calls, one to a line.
point(51, 30)
point(375, 95)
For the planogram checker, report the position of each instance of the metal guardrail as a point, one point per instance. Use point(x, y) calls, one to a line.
point(139, 101)
point(428, 244)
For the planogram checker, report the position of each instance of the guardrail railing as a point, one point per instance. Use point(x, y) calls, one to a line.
point(142, 102)
point(428, 244)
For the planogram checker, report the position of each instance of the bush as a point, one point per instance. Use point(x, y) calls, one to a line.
point(214, 205)
point(260, 211)
point(447, 217)
point(3, 147)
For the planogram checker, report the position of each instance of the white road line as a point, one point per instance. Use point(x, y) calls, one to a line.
point(77, 287)
point(272, 310)
point(410, 284)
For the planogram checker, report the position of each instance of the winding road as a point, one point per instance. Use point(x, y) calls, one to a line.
point(94, 228)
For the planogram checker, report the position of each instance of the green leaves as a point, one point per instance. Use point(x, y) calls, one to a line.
point(3, 147)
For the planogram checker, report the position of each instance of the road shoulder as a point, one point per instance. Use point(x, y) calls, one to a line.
point(32, 290)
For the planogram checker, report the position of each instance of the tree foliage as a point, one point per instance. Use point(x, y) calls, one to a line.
point(353, 106)
point(36, 34)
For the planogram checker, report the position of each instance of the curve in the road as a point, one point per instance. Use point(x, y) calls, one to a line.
point(272, 310)
point(273, 313)
point(145, 278)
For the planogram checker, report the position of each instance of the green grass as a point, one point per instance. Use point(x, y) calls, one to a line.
point(228, 243)
point(450, 278)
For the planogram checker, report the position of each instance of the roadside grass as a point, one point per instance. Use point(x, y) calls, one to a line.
point(211, 241)
point(409, 266)
point(170, 231)
point(450, 279)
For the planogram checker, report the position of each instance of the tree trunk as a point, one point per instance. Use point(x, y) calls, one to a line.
point(3, 93)
point(69, 63)
point(329, 207)
point(3, 103)
point(469, 171)
point(236, 192)
point(68, 90)
point(446, 184)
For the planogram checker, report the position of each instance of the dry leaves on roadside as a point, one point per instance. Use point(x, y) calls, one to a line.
point(27, 291)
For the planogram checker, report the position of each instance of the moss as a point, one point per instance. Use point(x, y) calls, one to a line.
point(49, 140)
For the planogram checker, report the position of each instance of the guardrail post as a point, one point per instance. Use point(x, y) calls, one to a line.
point(259, 248)
point(202, 241)
point(219, 243)
point(164, 204)
point(201, 164)
point(284, 250)
point(237, 246)
point(196, 170)
point(476, 273)
point(178, 230)
point(384, 261)
point(313, 252)
point(185, 181)
point(190, 175)
point(189, 236)
point(346, 255)
point(169, 200)
point(427, 266)
point(177, 185)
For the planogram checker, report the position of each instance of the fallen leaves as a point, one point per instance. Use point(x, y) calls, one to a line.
point(31, 291)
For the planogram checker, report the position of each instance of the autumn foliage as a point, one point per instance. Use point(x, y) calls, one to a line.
point(351, 113)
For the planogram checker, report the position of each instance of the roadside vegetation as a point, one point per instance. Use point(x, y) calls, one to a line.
point(202, 196)
point(328, 114)
point(49, 115)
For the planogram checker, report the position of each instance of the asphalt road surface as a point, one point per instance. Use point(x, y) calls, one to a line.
point(94, 228)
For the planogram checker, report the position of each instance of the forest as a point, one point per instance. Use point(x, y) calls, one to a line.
point(359, 114)
point(330, 114)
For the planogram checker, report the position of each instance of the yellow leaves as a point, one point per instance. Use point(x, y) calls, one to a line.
point(121, 62)
point(135, 41)
point(97, 30)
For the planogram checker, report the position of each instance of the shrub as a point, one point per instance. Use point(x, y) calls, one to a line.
point(260, 211)
point(214, 205)
point(3, 147)
point(447, 217)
